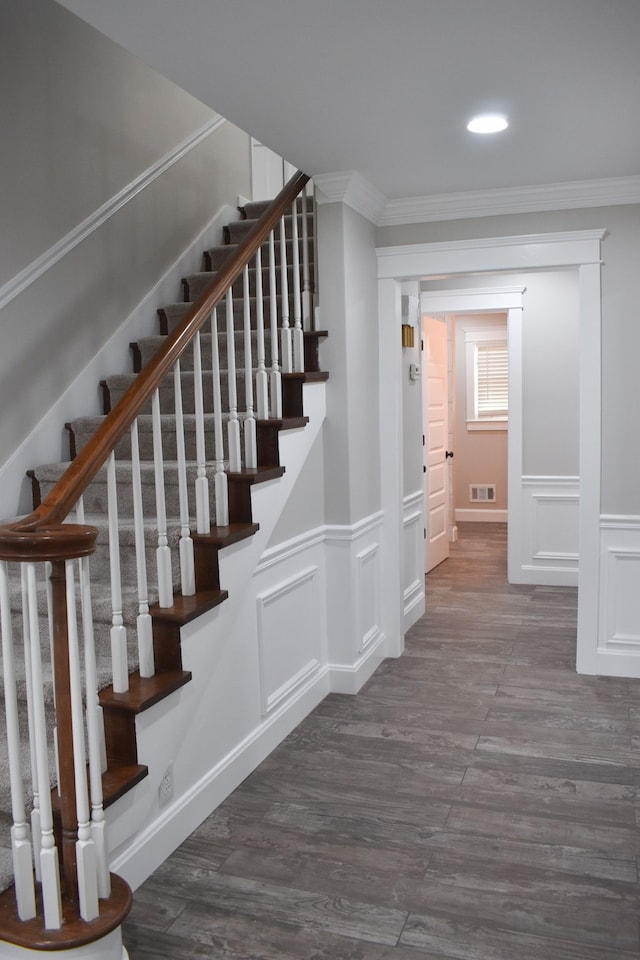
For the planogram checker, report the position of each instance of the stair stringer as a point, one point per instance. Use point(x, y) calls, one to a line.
point(212, 732)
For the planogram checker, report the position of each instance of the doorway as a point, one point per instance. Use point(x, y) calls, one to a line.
point(500, 255)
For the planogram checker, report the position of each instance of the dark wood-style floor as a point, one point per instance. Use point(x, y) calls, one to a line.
point(476, 800)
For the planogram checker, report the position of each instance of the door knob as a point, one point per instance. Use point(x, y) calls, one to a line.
point(449, 453)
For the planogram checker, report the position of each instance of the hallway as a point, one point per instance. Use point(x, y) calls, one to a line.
point(476, 800)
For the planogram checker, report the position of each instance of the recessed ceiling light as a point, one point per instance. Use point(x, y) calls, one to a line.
point(487, 123)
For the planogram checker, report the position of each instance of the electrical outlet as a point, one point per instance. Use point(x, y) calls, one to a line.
point(165, 790)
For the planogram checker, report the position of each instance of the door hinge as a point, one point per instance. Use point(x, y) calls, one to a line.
point(424, 469)
point(423, 439)
point(425, 533)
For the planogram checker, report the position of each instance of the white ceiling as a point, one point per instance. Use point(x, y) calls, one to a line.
point(385, 87)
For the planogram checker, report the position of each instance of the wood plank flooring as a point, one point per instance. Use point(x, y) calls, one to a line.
point(477, 800)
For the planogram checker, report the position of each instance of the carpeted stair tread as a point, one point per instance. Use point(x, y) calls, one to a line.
point(195, 284)
point(117, 385)
point(146, 347)
point(215, 257)
point(236, 232)
point(174, 314)
point(254, 209)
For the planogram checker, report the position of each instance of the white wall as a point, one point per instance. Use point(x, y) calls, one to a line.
point(348, 310)
point(82, 120)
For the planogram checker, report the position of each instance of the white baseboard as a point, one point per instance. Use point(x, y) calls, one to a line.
point(349, 678)
point(152, 846)
point(481, 516)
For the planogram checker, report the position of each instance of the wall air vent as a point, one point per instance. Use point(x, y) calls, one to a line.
point(482, 493)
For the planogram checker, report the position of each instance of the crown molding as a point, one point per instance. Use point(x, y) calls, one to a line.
point(505, 200)
point(351, 188)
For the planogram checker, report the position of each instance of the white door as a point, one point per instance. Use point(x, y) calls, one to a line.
point(436, 433)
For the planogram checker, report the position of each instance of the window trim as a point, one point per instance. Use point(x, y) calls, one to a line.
point(474, 337)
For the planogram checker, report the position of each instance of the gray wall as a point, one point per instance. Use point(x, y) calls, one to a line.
point(620, 340)
point(349, 310)
point(81, 120)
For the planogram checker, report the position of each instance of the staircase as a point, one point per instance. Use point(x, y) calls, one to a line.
point(132, 677)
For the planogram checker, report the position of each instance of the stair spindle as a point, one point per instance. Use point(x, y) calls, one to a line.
point(95, 731)
point(49, 864)
point(85, 850)
point(220, 481)
point(20, 842)
point(250, 435)
point(36, 832)
point(187, 564)
point(275, 377)
point(285, 330)
point(307, 292)
point(119, 659)
point(297, 337)
point(203, 519)
point(144, 624)
point(262, 380)
point(233, 427)
point(163, 552)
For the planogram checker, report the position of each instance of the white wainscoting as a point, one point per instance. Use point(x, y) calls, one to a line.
point(414, 557)
point(290, 640)
point(619, 628)
point(550, 530)
point(356, 641)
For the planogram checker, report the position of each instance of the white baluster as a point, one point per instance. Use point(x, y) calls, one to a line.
point(262, 380)
point(297, 335)
point(220, 482)
point(307, 292)
point(233, 427)
point(275, 378)
point(49, 871)
point(250, 437)
point(285, 330)
point(203, 520)
point(85, 850)
point(144, 624)
point(163, 553)
point(20, 842)
point(187, 565)
point(49, 593)
point(119, 661)
point(95, 732)
point(36, 831)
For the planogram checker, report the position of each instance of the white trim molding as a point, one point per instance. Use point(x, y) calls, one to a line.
point(414, 558)
point(66, 244)
point(354, 566)
point(351, 188)
point(481, 515)
point(550, 541)
point(504, 200)
point(361, 195)
point(619, 640)
point(581, 249)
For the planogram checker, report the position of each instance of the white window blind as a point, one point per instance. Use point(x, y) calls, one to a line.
point(492, 380)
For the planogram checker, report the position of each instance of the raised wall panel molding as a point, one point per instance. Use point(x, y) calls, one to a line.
point(289, 657)
point(550, 547)
point(66, 244)
point(619, 634)
point(369, 585)
point(414, 559)
point(290, 548)
point(351, 188)
point(504, 200)
point(350, 532)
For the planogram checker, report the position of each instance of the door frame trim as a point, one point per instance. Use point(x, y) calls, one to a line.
point(580, 249)
point(491, 300)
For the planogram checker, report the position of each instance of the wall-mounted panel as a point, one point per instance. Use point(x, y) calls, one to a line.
point(290, 653)
point(414, 558)
point(550, 543)
point(619, 634)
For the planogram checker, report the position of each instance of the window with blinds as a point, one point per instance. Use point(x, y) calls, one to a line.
point(492, 380)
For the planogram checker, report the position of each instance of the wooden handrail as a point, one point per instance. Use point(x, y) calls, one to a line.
point(81, 471)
